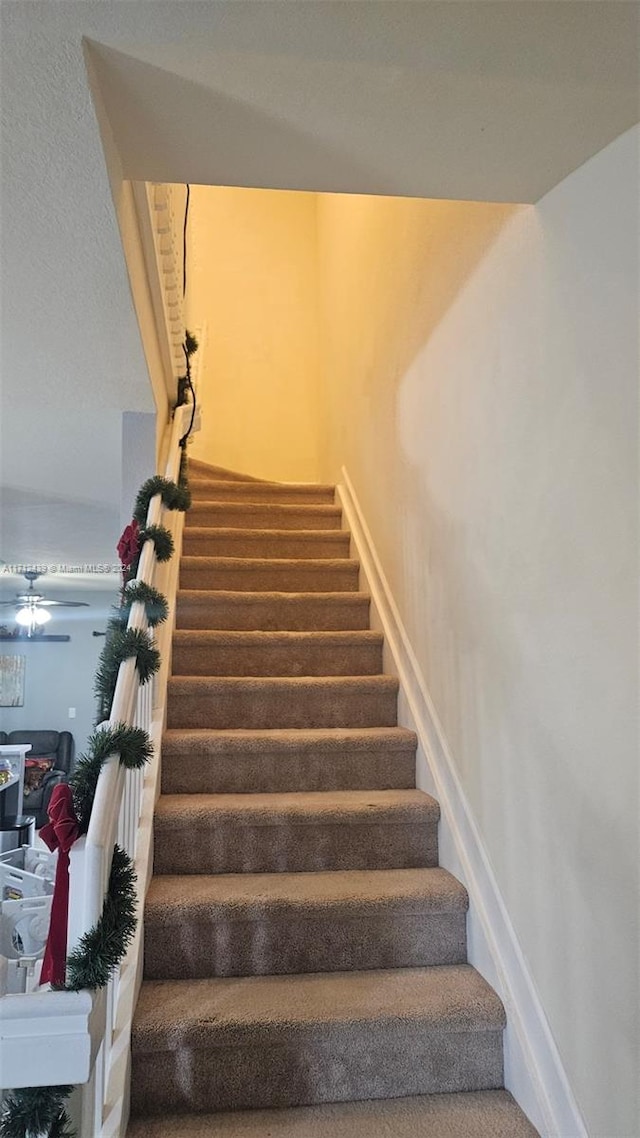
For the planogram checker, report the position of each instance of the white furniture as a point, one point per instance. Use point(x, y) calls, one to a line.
point(12, 791)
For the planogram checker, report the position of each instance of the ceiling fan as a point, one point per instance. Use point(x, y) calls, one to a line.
point(33, 608)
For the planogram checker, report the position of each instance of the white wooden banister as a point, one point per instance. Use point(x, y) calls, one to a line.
point(83, 1037)
point(55, 1038)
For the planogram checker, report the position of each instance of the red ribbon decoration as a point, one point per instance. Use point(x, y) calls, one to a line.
point(129, 544)
point(59, 834)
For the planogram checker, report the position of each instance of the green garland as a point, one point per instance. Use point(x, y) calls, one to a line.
point(31, 1111)
point(174, 496)
point(162, 541)
point(155, 603)
point(99, 952)
point(35, 1110)
point(131, 743)
point(184, 459)
point(120, 645)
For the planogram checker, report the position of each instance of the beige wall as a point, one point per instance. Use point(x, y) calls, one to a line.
point(480, 372)
point(252, 280)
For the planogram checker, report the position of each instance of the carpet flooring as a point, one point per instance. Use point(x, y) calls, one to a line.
point(305, 963)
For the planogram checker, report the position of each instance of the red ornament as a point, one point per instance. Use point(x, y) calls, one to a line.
point(129, 544)
point(59, 834)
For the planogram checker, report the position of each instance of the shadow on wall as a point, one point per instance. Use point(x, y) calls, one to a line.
point(404, 260)
point(413, 256)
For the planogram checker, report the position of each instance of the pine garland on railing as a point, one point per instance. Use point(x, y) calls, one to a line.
point(122, 644)
point(32, 1111)
point(99, 952)
point(155, 603)
point(132, 744)
point(162, 541)
point(174, 496)
point(39, 1112)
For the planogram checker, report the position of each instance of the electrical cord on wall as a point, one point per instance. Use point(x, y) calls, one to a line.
point(184, 242)
point(185, 346)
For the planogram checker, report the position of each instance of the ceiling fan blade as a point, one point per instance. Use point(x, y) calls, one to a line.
point(63, 604)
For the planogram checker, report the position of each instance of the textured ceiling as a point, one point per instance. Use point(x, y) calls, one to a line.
point(470, 100)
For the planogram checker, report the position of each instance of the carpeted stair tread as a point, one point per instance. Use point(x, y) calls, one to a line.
point(301, 832)
point(474, 1114)
point(202, 761)
point(300, 740)
point(212, 541)
point(338, 807)
point(205, 488)
point(273, 701)
point(258, 1041)
point(173, 899)
point(272, 611)
point(207, 652)
point(221, 1011)
point(270, 574)
point(264, 515)
point(302, 946)
point(264, 924)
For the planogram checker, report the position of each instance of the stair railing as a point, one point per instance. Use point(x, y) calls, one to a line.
point(83, 1038)
point(118, 810)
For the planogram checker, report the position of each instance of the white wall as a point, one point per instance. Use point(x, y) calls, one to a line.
point(61, 675)
point(138, 453)
point(71, 359)
point(491, 435)
point(252, 281)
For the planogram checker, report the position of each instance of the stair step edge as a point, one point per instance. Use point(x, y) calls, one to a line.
point(222, 1012)
point(294, 739)
point(347, 894)
point(302, 808)
point(470, 1114)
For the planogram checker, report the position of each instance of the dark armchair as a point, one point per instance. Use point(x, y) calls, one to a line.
point(56, 745)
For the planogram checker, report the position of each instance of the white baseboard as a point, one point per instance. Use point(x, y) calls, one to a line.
point(533, 1068)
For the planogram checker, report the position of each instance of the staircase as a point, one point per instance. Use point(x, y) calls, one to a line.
point(302, 947)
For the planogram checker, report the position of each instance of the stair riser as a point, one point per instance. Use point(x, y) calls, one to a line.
point(222, 847)
point(273, 613)
point(222, 707)
point(272, 774)
point(205, 490)
point(213, 543)
point(288, 942)
point(263, 517)
point(287, 578)
point(277, 660)
point(289, 1067)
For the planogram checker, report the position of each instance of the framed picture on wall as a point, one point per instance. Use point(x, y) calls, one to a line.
point(12, 669)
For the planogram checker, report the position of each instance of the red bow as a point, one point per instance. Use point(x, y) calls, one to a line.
point(129, 544)
point(59, 834)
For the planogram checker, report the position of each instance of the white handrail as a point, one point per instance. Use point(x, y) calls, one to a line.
point(91, 855)
point(117, 807)
point(83, 1037)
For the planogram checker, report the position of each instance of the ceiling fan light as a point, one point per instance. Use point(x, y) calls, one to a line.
point(32, 617)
